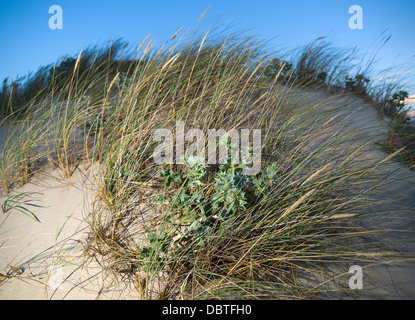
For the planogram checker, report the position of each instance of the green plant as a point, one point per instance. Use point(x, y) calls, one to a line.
point(153, 255)
point(64, 69)
point(169, 177)
point(357, 85)
point(401, 132)
point(277, 67)
point(202, 204)
point(17, 203)
point(395, 104)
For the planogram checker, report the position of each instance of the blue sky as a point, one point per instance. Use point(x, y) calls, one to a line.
point(27, 42)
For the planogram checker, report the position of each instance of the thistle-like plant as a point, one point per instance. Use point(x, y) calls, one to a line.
point(233, 192)
point(197, 173)
point(154, 253)
point(160, 200)
point(230, 194)
point(169, 177)
point(268, 178)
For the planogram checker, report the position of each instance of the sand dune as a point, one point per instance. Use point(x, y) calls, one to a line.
point(45, 260)
point(36, 264)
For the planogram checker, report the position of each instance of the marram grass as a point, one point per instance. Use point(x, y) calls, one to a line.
point(104, 109)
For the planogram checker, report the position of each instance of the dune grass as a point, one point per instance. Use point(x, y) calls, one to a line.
point(102, 109)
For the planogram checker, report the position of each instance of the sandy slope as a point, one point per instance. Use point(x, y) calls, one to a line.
point(49, 255)
point(393, 208)
point(47, 263)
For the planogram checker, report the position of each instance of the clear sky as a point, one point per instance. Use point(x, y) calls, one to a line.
point(27, 42)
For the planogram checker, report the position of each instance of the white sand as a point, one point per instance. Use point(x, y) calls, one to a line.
point(52, 268)
point(392, 210)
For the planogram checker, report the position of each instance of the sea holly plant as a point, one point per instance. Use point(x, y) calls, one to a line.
point(197, 173)
point(154, 253)
point(160, 200)
point(268, 178)
point(188, 203)
point(203, 198)
point(169, 177)
point(231, 192)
